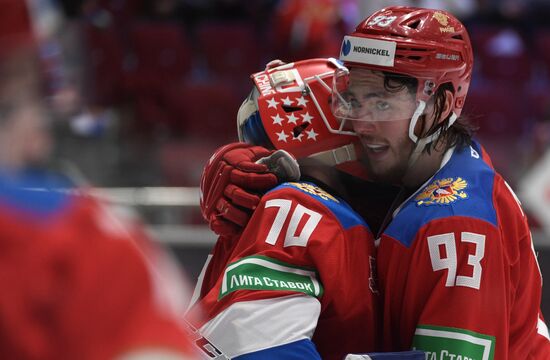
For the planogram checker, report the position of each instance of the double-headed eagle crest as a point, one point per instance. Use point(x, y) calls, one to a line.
point(442, 192)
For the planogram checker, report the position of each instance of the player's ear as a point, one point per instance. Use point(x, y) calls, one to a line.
point(447, 106)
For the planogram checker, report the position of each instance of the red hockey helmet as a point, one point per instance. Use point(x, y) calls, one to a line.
point(427, 44)
point(289, 109)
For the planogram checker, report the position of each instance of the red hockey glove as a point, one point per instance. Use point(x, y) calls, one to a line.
point(233, 180)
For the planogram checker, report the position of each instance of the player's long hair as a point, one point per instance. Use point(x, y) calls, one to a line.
point(459, 134)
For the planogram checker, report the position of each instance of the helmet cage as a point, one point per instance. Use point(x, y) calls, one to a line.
point(289, 100)
point(289, 109)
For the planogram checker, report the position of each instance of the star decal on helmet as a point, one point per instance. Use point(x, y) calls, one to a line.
point(287, 101)
point(281, 136)
point(272, 103)
point(299, 122)
point(277, 120)
point(302, 101)
point(292, 119)
point(306, 117)
point(311, 134)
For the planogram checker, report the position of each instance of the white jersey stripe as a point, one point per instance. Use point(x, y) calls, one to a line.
point(250, 326)
point(198, 286)
point(542, 329)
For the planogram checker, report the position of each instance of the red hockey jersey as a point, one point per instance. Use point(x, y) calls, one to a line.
point(76, 285)
point(296, 284)
point(457, 270)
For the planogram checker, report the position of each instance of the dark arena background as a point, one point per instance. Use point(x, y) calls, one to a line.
point(142, 92)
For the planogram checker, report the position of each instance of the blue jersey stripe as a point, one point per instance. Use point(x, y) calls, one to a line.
point(298, 350)
point(341, 210)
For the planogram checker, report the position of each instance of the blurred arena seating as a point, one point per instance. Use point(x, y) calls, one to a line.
point(160, 54)
point(213, 113)
point(229, 49)
point(181, 162)
point(504, 124)
point(105, 58)
point(501, 54)
point(542, 47)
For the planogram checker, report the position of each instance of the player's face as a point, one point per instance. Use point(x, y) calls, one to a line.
point(383, 127)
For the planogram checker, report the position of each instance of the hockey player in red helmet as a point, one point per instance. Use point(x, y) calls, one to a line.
point(456, 267)
point(421, 61)
point(289, 109)
point(457, 246)
point(298, 281)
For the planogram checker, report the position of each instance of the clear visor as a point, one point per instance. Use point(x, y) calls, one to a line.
point(360, 95)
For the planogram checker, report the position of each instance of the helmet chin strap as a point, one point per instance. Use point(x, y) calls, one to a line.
point(336, 156)
point(419, 146)
point(420, 143)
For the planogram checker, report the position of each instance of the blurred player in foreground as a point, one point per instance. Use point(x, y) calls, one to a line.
point(298, 282)
point(77, 282)
point(457, 272)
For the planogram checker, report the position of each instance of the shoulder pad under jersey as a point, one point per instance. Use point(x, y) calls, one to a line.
point(337, 206)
